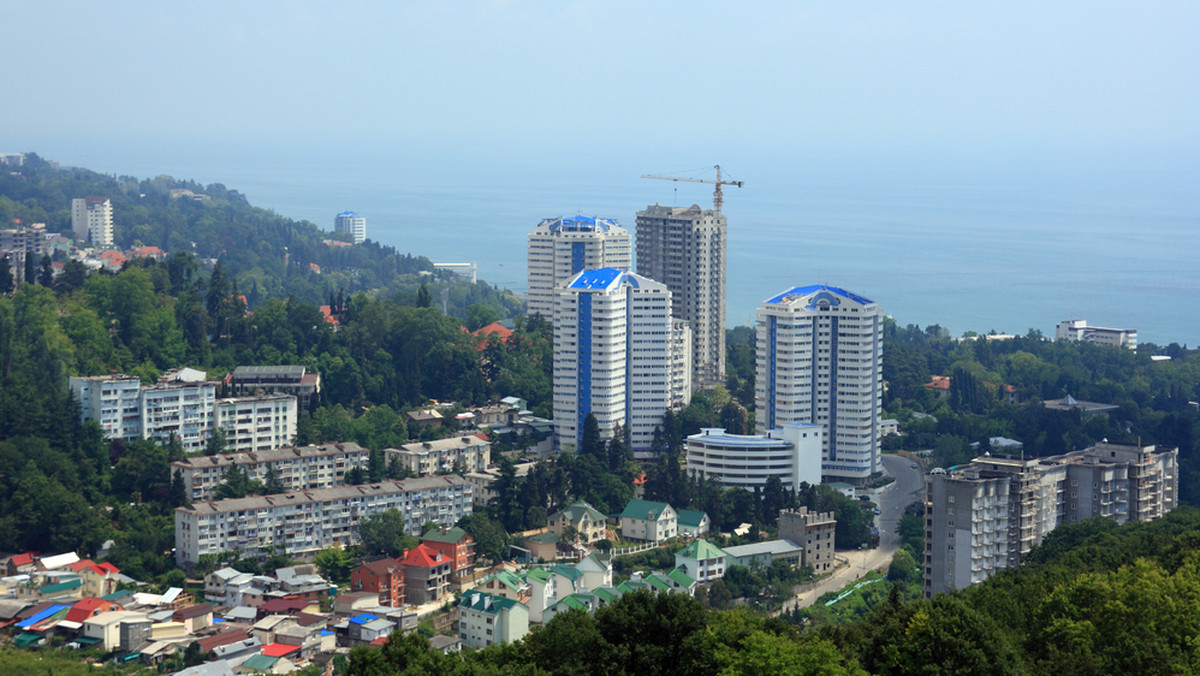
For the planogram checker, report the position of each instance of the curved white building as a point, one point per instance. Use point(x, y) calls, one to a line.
point(560, 248)
point(820, 360)
point(792, 453)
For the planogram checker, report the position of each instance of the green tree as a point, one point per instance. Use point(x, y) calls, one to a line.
point(334, 563)
point(491, 541)
point(383, 533)
point(480, 315)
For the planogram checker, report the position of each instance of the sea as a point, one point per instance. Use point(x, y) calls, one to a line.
point(1004, 243)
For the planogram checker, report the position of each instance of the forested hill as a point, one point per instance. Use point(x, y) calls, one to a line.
point(271, 256)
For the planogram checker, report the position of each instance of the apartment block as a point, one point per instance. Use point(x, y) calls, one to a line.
point(560, 248)
point(112, 401)
point(351, 224)
point(294, 380)
point(304, 522)
point(91, 220)
point(467, 453)
point(820, 361)
point(258, 423)
point(298, 468)
point(989, 514)
point(612, 356)
point(684, 248)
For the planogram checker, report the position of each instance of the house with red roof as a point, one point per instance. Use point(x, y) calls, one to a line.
point(22, 563)
point(384, 577)
point(112, 261)
point(501, 331)
point(194, 617)
point(456, 544)
point(99, 579)
point(426, 574)
point(148, 252)
point(89, 607)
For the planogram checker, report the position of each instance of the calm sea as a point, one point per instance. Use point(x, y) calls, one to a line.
point(1003, 245)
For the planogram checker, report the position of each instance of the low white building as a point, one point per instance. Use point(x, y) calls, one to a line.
point(793, 454)
point(1078, 329)
point(702, 561)
point(469, 453)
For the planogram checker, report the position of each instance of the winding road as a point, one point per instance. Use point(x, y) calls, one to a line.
point(892, 500)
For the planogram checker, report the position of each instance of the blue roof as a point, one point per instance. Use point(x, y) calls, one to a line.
point(580, 224)
point(34, 619)
point(351, 214)
point(596, 279)
point(801, 291)
point(364, 618)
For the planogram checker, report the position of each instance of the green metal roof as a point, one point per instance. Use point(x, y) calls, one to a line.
point(570, 572)
point(606, 594)
point(260, 662)
point(508, 579)
point(572, 602)
point(658, 582)
point(539, 574)
point(576, 510)
point(452, 536)
point(641, 509)
point(542, 538)
point(27, 639)
point(629, 586)
point(62, 586)
point(681, 577)
point(690, 518)
point(701, 549)
point(477, 600)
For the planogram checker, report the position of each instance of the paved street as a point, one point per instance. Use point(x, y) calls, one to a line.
point(891, 500)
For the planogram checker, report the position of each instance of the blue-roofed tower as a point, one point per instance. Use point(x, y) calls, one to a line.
point(560, 248)
point(351, 224)
point(820, 361)
point(614, 356)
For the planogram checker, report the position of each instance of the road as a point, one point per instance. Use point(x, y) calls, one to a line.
point(891, 500)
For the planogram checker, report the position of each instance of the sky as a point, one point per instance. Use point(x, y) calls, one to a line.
point(471, 80)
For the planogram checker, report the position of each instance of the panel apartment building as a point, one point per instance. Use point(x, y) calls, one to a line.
point(91, 220)
point(560, 248)
point(184, 407)
point(684, 248)
point(298, 468)
point(305, 522)
point(986, 516)
point(820, 361)
point(613, 356)
point(467, 453)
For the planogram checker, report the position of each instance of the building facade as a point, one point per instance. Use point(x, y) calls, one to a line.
point(814, 533)
point(294, 380)
point(258, 423)
point(485, 619)
point(91, 221)
point(988, 515)
point(305, 522)
point(351, 224)
point(1077, 329)
point(426, 458)
point(560, 248)
point(298, 468)
point(820, 361)
point(612, 356)
point(793, 454)
point(113, 401)
point(684, 248)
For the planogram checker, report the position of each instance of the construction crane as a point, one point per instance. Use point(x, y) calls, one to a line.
point(718, 196)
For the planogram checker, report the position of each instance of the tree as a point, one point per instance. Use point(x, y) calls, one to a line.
point(215, 445)
point(424, 298)
point(6, 278)
point(383, 533)
point(334, 563)
point(490, 539)
point(46, 276)
point(480, 315)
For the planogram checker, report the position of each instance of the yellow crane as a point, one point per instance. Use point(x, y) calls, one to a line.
point(718, 196)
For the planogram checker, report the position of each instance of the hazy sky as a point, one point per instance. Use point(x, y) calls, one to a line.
point(602, 76)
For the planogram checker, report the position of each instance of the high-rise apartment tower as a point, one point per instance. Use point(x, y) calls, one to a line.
point(91, 220)
point(613, 356)
point(352, 224)
point(684, 248)
point(560, 248)
point(820, 360)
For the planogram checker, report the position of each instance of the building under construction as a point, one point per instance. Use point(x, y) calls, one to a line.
point(987, 515)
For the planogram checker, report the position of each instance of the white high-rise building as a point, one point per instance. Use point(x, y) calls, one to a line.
point(613, 356)
point(91, 220)
point(560, 248)
point(684, 248)
point(820, 360)
point(352, 224)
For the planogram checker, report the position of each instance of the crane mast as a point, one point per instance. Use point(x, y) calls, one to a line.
point(718, 196)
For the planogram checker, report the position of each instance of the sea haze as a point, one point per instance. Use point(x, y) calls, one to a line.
point(980, 244)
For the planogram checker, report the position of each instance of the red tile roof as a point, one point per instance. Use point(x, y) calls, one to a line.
point(424, 556)
point(23, 559)
point(278, 649)
point(88, 607)
point(496, 328)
